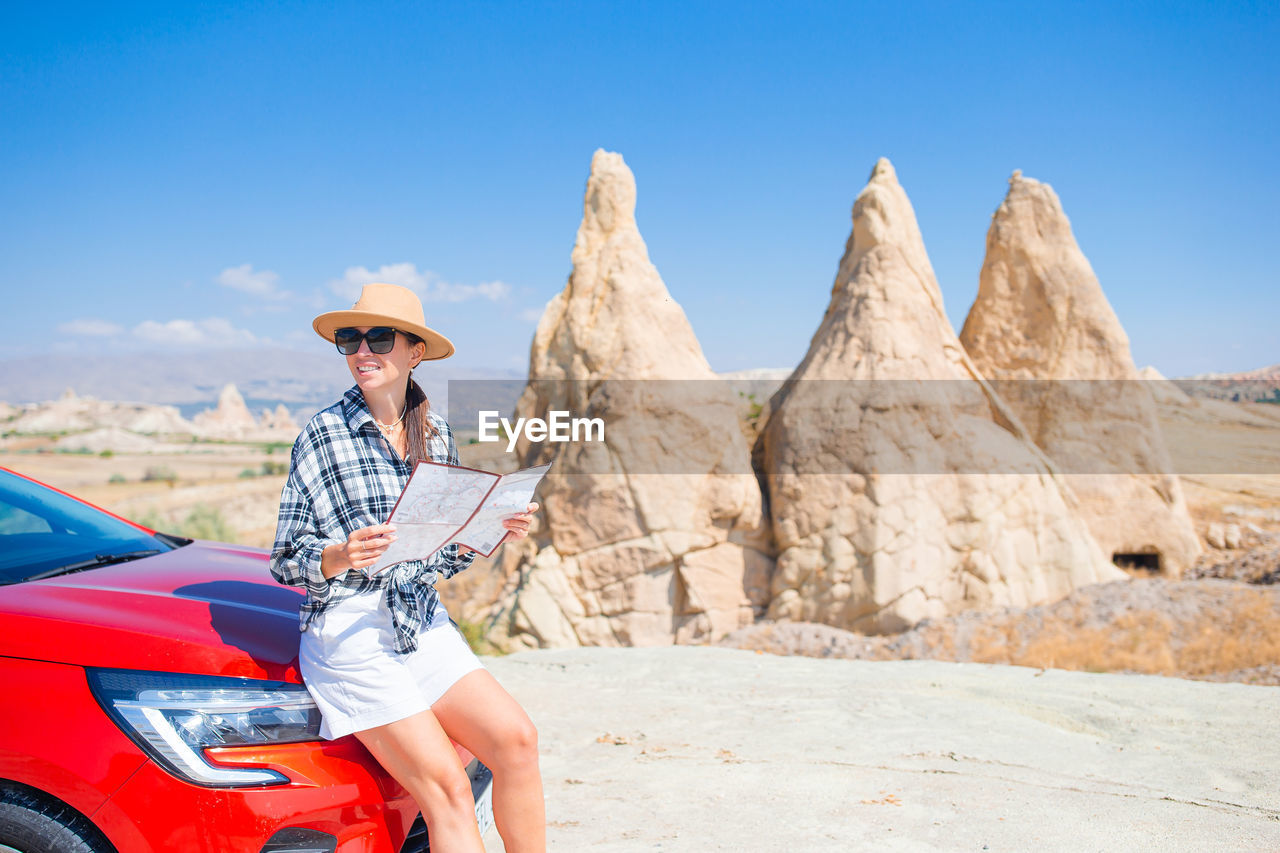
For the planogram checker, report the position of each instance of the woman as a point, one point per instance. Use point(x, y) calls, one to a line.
point(378, 653)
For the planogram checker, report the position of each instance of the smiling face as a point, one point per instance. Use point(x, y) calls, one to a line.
point(380, 373)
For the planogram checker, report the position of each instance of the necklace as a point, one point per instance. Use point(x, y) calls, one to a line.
point(386, 429)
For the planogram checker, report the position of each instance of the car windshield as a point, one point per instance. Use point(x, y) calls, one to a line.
point(43, 533)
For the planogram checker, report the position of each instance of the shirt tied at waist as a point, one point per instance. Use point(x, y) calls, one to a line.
point(411, 598)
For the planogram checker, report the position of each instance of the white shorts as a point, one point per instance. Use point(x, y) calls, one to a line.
point(355, 676)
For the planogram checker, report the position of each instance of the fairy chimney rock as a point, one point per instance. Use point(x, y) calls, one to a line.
point(1043, 332)
point(230, 419)
point(615, 317)
point(1040, 312)
point(896, 499)
point(279, 420)
point(655, 535)
point(232, 408)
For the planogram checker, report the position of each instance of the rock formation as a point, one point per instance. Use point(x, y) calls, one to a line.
point(156, 420)
point(657, 534)
point(1262, 384)
point(1165, 391)
point(231, 419)
point(104, 425)
point(112, 438)
point(900, 486)
point(280, 419)
point(1043, 332)
point(72, 414)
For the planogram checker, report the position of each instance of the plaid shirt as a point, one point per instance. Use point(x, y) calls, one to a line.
point(343, 476)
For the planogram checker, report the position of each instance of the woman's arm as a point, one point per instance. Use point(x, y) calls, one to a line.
point(298, 552)
point(361, 550)
point(302, 555)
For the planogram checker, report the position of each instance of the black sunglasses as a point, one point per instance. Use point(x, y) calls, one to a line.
point(382, 339)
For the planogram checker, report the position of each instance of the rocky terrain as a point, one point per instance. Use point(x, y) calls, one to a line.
point(1216, 630)
point(1262, 383)
point(102, 425)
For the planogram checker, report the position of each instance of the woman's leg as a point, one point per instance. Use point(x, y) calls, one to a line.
point(479, 714)
point(418, 755)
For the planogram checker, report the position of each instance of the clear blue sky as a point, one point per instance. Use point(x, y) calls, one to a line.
point(211, 174)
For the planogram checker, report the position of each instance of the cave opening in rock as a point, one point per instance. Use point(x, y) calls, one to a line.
point(1137, 562)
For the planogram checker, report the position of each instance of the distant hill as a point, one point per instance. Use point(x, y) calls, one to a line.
point(303, 381)
point(308, 381)
point(1260, 384)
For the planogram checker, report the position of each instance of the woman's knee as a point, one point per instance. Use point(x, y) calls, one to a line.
point(444, 794)
point(518, 743)
point(426, 766)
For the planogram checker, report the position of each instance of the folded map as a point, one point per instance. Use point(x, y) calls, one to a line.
point(446, 504)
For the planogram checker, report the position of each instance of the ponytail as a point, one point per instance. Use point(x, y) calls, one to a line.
point(417, 425)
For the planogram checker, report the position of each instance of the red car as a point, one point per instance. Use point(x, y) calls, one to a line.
point(151, 700)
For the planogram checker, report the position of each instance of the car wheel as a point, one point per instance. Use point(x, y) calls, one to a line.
point(32, 824)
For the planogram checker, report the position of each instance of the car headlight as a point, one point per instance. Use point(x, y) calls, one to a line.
point(174, 717)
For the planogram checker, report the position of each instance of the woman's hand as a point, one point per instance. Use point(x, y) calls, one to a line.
point(517, 526)
point(361, 550)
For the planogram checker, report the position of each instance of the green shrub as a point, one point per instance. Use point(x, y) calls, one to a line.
point(115, 479)
point(203, 522)
point(107, 454)
point(152, 519)
point(206, 522)
point(247, 473)
point(272, 468)
point(157, 473)
point(475, 635)
point(755, 409)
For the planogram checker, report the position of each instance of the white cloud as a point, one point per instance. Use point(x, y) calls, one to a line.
point(491, 290)
point(532, 315)
point(405, 275)
point(210, 332)
point(257, 283)
point(88, 327)
point(428, 285)
point(300, 336)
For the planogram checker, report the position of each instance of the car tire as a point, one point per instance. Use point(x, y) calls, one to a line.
point(33, 824)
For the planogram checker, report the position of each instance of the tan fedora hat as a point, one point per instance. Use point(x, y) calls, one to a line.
point(386, 305)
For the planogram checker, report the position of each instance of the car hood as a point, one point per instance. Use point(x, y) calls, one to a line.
point(203, 608)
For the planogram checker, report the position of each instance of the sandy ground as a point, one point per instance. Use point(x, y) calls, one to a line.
point(695, 748)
